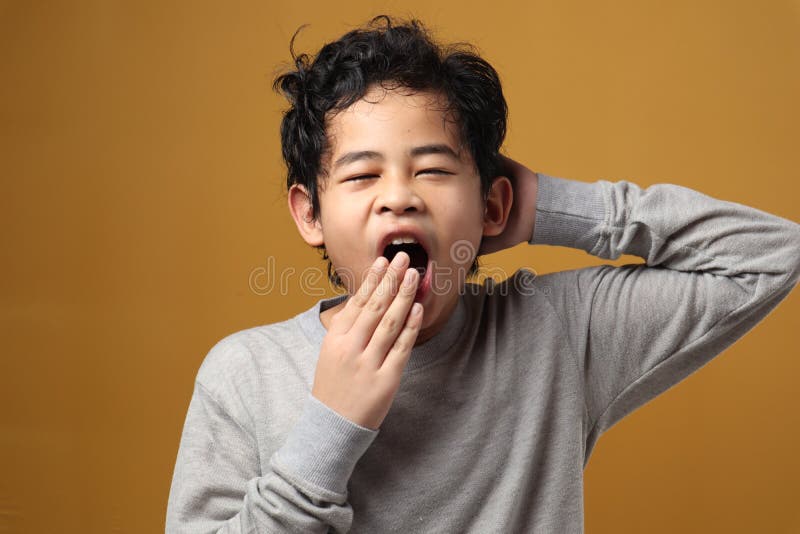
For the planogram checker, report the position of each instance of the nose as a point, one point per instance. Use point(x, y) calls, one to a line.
point(398, 195)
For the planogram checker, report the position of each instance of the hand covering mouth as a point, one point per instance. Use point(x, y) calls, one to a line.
point(416, 252)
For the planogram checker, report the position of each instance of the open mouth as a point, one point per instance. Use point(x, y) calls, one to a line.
point(415, 251)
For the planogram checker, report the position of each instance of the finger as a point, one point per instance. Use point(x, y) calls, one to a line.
point(394, 320)
point(398, 355)
point(379, 301)
point(356, 302)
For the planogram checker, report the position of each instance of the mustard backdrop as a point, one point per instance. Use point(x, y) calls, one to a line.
point(143, 214)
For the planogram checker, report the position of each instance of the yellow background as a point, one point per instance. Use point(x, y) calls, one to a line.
point(142, 203)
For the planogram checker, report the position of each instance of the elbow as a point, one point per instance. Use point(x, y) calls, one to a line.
point(792, 254)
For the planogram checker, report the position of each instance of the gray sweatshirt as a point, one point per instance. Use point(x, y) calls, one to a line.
point(497, 415)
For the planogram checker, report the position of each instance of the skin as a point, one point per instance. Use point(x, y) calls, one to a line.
point(388, 186)
point(522, 215)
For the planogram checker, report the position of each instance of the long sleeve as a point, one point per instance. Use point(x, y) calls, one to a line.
point(219, 485)
point(713, 269)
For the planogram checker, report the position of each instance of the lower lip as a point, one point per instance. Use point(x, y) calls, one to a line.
point(424, 285)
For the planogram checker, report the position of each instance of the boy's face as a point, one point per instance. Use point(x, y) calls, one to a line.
point(396, 169)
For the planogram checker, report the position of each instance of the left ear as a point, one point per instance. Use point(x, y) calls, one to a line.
point(498, 206)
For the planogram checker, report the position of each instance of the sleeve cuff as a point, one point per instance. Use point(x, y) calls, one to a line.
point(323, 447)
point(569, 213)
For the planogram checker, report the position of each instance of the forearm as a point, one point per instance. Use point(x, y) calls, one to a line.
point(669, 226)
point(219, 486)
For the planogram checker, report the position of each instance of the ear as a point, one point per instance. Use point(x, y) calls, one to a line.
point(498, 206)
point(303, 214)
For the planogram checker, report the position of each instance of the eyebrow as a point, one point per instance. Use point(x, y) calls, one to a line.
point(352, 157)
point(434, 149)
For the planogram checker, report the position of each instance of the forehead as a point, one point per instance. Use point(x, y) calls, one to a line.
point(393, 119)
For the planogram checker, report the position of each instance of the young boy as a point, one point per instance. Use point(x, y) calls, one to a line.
point(420, 403)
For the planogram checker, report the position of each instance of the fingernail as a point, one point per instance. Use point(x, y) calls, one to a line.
point(379, 264)
point(416, 309)
point(399, 259)
point(409, 278)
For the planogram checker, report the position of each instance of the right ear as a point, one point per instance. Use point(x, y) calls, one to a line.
point(303, 214)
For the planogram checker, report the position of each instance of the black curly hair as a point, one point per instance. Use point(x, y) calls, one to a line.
point(394, 55)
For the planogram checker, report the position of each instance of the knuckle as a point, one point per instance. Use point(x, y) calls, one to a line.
point(359, 299)
point(374, 305)
point(389, 323)
point(401, 345)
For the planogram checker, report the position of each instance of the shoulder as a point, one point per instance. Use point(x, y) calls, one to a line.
point(529, 292)
point(244, 360)
point(523, 285)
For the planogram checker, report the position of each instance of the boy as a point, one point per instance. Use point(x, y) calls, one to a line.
point(420, 403)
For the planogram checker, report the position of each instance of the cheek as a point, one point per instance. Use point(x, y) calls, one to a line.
point(465, 233)
point(350, 263)
point(463, 252)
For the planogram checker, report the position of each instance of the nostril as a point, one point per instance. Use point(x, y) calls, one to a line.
point(408, 209)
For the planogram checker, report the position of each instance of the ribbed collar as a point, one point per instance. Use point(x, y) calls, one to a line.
point(421, 355)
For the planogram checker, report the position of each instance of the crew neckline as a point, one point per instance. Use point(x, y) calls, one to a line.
point(421, 355)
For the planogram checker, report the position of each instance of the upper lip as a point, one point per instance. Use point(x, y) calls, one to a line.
point(403, 231)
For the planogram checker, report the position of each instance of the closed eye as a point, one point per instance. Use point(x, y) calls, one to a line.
point(361, 177)
point(434, 171)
